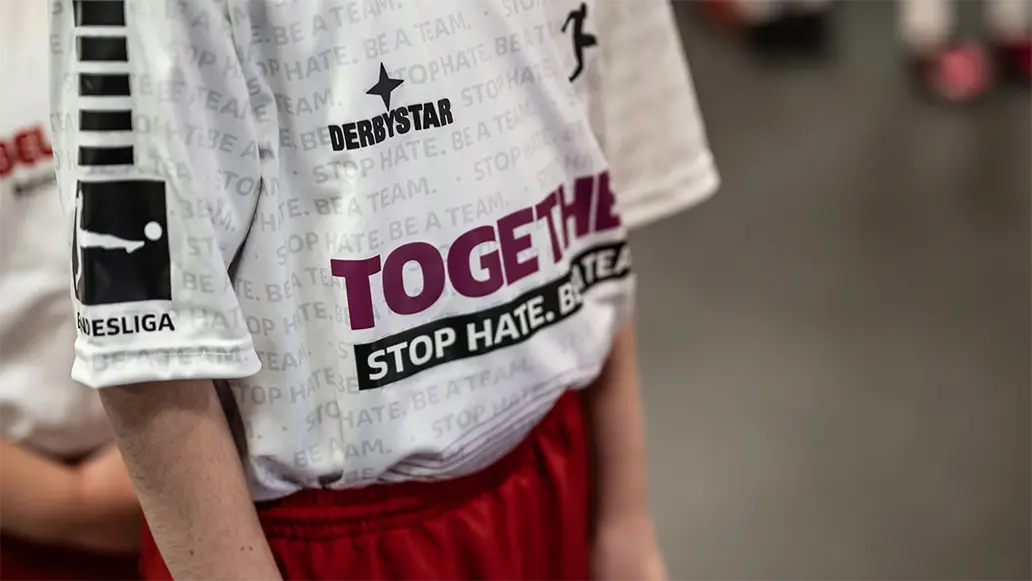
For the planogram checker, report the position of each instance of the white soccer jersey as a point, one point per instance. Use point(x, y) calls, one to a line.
point(40, 406)
point(389, 225)
point(654, 138)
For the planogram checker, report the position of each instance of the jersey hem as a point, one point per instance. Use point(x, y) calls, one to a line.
point(261, 492)
point(101, 369)
point(686, 189)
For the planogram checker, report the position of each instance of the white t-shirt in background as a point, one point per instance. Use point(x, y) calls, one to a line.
point(40, 406)
point(388, 226)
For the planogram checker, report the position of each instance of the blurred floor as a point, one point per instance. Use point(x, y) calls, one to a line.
point(836, 348)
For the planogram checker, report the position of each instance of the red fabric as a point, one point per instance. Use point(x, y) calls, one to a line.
point(1018, 57)
point(24, 561)
point(525, 517)
point(727, 13)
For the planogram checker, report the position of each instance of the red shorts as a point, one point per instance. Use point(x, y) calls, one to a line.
point(525, 517)
point(24, 561)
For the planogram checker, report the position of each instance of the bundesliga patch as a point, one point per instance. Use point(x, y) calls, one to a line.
point(121, 250)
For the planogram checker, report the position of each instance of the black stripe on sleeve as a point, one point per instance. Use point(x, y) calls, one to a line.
point(103, 49)
point(99, 12)
point(105, 120)
point(103, 85)
point(93, 156)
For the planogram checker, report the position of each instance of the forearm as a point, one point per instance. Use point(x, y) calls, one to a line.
point(616, 419)
point(38, 496)
point(187, 474)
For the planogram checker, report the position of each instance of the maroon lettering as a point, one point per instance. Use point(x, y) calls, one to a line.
point(432, 267)
point(27, 147)
point(32, 145)
point(512, 245)
point(606, 217)
point(461, 272)
point(592, 209)
point(44, 143)
point(356, 275)
point(6, 163)
point(579, 209)
point(543, 211)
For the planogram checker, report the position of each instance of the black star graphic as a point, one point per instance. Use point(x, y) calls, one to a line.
point(384, 86)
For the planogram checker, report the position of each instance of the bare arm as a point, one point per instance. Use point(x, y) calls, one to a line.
point(624, 544)
point(618, 430)
point(189, 480)
point(85, 506)
point(37, 495)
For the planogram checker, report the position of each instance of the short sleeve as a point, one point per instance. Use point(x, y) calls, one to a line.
point(158, 176)
point(655, 140)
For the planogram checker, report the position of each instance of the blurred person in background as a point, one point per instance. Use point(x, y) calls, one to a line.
point(958, 70)
point(67, 508)
point(777, 28)
point(483, 423)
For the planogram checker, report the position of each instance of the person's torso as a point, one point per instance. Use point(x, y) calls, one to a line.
point(420, 235)
point(40, 405)
point(401, 280)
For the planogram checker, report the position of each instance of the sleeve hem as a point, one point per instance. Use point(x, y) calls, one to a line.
point(110, 368)
point(689, 187)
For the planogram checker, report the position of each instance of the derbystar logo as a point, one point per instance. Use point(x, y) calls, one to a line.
point(398, 121)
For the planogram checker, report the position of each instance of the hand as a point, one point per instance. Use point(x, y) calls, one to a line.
point(626, 549)
point(107, 493)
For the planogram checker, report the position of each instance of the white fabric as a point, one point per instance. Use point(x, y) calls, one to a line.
point(760, 11)
point(655, 140)
point(40, 406)
point(928, 24)
point(293, 232)
point(1009, 20)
